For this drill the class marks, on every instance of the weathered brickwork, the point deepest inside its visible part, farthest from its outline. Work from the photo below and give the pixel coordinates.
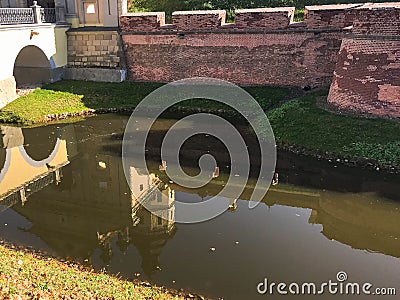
(94, 49)
(299, 59)
(266, 18)
(198, 20)
(143, 22)
(265, 46)
(377, 19)
(367, 77)
(329, 16)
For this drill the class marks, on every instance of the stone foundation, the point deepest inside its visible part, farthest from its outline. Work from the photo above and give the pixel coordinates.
(95, 74)
(7, 91)
(95, 55)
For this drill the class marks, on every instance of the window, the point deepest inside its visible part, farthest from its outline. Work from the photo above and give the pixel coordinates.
(90, 9)
(141, 187)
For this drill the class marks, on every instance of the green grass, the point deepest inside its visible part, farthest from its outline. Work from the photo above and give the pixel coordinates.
(267, 96)
(73, 97)
(106, 94)
(31, 277)
(301, 123)
(69, 96)
(32, 108)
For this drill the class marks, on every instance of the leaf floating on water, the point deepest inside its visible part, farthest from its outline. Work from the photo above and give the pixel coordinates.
(212, 249)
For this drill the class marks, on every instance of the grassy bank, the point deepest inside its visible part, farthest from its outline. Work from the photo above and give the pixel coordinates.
(73, 97)
(26, 276)
(301, 123)
(76, 96)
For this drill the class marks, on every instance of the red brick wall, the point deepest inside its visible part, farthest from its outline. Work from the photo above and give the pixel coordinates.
(297, 59)
(265, 46)
(367, 76)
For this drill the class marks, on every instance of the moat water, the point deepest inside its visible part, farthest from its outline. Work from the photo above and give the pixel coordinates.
(64, 192)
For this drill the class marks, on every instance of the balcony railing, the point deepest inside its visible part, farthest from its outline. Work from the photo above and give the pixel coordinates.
(17, 16)
(48, 15)
(32, 15)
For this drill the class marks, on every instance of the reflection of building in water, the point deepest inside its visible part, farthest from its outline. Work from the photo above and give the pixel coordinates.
(21, 175)
(92, 207)
(153, 229)
(92, 211)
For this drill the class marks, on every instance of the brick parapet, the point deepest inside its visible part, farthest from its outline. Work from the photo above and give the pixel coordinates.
(245, 20)
(377, 19)
(318, 17)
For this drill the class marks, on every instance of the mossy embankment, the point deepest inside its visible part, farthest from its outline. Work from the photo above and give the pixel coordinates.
(299, 124)
(25, 275)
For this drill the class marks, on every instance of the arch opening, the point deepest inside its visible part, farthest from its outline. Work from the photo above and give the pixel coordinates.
(31, 67)
(40, 144)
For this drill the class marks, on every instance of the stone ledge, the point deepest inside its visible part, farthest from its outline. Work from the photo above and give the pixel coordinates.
(95, 74)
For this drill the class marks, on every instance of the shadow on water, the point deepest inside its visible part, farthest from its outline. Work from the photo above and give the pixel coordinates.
(73, 200)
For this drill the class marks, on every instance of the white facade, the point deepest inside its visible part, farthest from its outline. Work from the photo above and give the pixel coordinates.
(81, 13)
